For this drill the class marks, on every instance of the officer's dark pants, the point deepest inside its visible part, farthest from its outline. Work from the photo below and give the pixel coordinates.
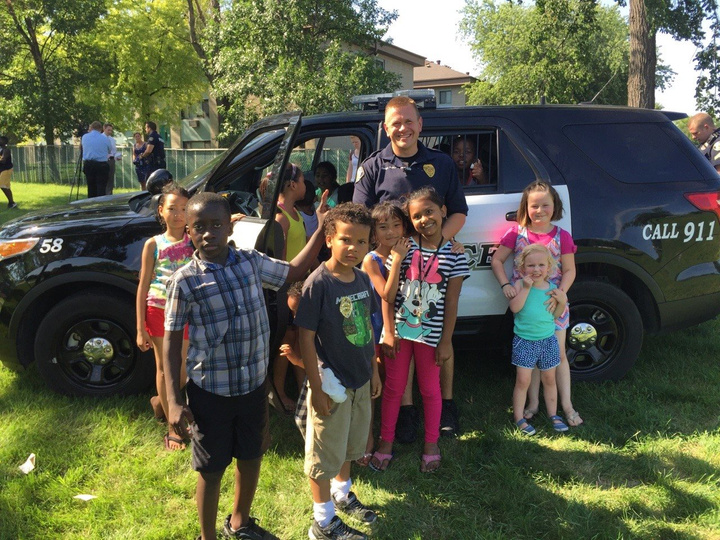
(96, 173)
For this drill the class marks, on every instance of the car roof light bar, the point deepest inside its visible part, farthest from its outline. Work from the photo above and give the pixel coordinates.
(425, 99)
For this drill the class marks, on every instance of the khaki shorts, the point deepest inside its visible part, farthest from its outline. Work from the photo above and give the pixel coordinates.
(332, 440)
(5, 177)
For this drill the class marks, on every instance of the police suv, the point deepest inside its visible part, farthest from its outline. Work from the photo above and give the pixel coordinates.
(640, 202)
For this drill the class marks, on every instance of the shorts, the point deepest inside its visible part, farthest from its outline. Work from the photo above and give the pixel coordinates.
(563, 321)
(155, 322)
(5, 177)
(543, 354)
(231, 427)
(332, 440)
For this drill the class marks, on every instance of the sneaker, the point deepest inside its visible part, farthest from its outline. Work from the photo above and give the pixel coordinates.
(12, 205)
(251, 531)
(407, 425)
(449, 423)
(353, 507)
(336, 529)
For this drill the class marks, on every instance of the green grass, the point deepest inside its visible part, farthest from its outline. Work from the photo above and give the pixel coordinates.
(645, 466)
(31, 197)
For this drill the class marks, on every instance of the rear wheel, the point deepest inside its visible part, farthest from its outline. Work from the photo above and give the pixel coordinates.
(605, 333)
(85, 345)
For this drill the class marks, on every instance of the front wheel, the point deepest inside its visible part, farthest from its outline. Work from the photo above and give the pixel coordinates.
(85, 346)
(605, 333)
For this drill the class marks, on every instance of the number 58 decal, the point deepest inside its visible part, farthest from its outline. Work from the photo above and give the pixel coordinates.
(51, 245)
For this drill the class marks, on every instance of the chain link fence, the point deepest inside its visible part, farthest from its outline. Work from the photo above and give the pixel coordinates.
(62, 164)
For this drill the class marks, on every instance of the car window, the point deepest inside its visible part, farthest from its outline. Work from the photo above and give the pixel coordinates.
(636, 153)
(336, 150)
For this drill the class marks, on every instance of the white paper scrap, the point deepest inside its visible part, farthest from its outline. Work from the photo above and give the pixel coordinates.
(84, 497)
(29, 464)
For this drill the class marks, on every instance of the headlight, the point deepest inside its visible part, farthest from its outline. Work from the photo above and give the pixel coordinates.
(11, 248)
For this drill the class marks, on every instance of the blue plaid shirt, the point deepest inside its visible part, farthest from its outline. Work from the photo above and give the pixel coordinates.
(229, 327)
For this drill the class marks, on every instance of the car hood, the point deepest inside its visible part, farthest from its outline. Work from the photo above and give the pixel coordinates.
(87, 216)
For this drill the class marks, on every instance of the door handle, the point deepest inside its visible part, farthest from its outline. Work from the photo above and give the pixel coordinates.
(511, 216)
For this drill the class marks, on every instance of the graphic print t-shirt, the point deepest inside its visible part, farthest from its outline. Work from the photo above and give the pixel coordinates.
(339, 313)
(420, 300)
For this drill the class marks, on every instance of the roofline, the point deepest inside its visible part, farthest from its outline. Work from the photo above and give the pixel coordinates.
(393, 51)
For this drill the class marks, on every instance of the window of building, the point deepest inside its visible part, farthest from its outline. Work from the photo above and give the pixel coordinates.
(444, 98)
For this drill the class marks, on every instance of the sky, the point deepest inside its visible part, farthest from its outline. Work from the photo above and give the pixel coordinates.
(430, 28)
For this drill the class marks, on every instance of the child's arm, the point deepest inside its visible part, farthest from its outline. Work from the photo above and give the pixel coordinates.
(179, 414)
(321, 402)
(569, 272)
(522, 290)
(375, 382)
(146, 273)
(453, 224)
(444, 350)
(288, 352)
(370, 267)
(398, 253)
(285, 226)
(389, 343)
(303, 261)
(497, 264)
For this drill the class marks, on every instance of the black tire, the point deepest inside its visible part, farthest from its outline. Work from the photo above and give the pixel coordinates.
(601, 310)
(111, 365)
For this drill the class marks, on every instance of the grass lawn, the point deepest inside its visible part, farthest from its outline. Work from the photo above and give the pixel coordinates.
(645, 466)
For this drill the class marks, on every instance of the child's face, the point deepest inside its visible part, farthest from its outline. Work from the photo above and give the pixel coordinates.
(389, 231)
(324, 179)
(209, 227)
(173, 211)
(426, 217)
(350, 243)
(540, 207)
(536, 266)
(463, 154)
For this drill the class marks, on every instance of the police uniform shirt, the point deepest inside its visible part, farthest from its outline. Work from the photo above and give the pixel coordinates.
(711, 148)
(384, 176)
(158, 151)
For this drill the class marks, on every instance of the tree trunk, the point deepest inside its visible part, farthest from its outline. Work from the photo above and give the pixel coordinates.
(643, 59)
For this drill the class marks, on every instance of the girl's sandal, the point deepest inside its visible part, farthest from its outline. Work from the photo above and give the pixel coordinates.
(383, 460)
(529, 413)
(527, 430)
(574, 419)
(429, 463)
(365, 460)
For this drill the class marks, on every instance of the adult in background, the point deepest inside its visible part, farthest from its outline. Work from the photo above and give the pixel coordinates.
(112, 157)
(403, 166)
(702, 128)
(6, 169)
(95, 152)
(140, 167)
(154, 154)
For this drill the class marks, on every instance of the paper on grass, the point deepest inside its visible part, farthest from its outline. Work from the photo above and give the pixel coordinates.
(29, 464)
(85, 497)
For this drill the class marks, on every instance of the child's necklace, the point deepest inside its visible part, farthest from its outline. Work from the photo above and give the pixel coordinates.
(422, 275)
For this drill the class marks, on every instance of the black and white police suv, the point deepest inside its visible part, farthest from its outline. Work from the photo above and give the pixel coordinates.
(641, 204)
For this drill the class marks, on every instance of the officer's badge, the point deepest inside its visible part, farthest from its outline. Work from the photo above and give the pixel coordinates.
(429, 170)
(360, 174)
(346, 306)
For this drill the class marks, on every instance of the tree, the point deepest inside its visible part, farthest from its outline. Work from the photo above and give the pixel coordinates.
(154, 72)
(565, 50)
(708, 63)
(45, 57)
(267, 56)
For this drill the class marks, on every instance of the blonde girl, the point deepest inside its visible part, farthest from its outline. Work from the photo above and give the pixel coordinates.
(162, 255)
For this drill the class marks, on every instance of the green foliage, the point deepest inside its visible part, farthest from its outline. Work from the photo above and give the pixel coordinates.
(566, 50)
(276, 55)
(152, 70)
(707, 90)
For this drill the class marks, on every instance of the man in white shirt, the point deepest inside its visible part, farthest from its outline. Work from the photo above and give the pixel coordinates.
(112, 157)
(95, 153)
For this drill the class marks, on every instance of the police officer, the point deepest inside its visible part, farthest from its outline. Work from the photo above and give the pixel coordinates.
(702, 129)
(154, 154)
(401, 167)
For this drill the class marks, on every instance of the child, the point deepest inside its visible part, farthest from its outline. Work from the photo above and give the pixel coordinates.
(540, 205)
(430, 277)
(336, 344)
(535, 344)
(293, 228)
(6, 169)
(220, 294)
(306, 207)
(390, 228)
(162, 255)
(326, 179)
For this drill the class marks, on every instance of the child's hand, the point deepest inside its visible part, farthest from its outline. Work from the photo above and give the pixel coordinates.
(557, 296)
(477, 171)
(322, 403)
(443, 353)
(509, 291)
(322, 208)
(457, 247)
(389, 345)
(401, 248)
(375, 386)
(236, 217)
(180, 417)
(143, 340)
(288, 352)
(527, 282)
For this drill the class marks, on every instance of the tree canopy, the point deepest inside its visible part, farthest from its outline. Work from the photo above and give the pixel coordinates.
(565, 50)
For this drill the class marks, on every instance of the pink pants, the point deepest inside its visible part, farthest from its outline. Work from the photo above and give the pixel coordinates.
(396, 374)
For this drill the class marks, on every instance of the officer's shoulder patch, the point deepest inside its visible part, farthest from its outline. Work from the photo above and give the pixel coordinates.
(716, 146)
(360, 173)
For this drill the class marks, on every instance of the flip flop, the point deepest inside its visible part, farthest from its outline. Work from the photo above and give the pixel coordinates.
(529, 413)
(574, 419)
(170, 438)
(384, 460)
(427, 461)
(365, 460)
